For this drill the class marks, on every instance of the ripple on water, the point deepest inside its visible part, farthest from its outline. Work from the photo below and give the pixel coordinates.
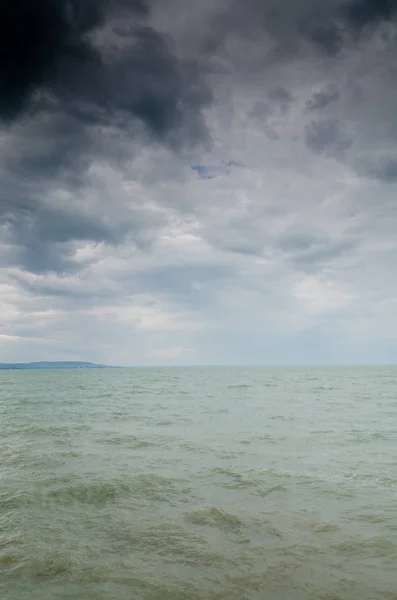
(148, 487)
(371, 480)
(49, 567)
(36, 429)
(129, 441)
(135, 489)
(374, 546)
(239, 386)
(173, 542)
(215, 517)
(231, 478)
(260, 483)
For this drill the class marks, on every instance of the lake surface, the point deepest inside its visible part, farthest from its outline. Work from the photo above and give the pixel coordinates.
(199, 484)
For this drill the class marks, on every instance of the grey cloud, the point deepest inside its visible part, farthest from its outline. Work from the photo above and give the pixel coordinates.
(39, 239)
(67, 291)
(322, 99)
(192, 284)
(277, 100)
(261, 111)
(241, 236)
(325, 34)
(282, 98)
(292, 26)
(388, 171)
(346, 21)
(51, 148)
(270, 112)
(384, 170)
(327, 137)
(343, 22)
(311, 253)
(43, 239)
(188, 287)
(294, 242)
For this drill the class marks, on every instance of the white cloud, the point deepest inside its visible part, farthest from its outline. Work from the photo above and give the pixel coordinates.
(322, 296)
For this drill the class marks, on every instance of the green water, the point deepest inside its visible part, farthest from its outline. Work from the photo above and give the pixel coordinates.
(198, 484)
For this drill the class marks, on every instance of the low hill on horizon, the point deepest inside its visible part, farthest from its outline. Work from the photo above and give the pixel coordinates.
(52, 365)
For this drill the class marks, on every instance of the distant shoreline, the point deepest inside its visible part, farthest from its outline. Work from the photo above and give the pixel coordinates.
(51, 365)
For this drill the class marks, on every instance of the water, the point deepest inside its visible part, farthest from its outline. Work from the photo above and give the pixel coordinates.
(198, 484)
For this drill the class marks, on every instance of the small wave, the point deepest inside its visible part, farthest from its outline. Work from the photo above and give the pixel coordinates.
(381, 546)
(253, 479)
(326, 528)
(371, 480)
(372, 518)
(239, 386)
(364, 437)
(12, 500)
(175, 543)
(215, 517)
(271, 438)
(130, 441)
(94, 493)
(58, 430)
(237, 479)
(271, 490)
(37, 568)
(9, 560)
(149, 488)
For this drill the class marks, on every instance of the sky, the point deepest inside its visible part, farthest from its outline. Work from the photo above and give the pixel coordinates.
(208, 182)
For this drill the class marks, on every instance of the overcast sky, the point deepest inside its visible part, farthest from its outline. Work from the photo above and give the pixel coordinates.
(189, 182)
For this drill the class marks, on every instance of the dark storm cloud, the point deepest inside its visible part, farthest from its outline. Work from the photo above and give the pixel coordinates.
(49, 61)
(76, 79)
(87, 80)
(45, 46)
(331, 30)
(344, 24)
(69, 69)
(328, 26)
(361, 13)
(324, 33)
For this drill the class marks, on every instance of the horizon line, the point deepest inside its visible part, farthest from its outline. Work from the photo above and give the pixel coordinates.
(197, 365)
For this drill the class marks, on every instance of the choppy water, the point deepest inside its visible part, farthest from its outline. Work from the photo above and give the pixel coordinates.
(198, 484)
